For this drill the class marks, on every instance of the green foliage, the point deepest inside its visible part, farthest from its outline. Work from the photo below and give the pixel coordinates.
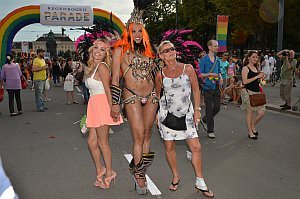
(255, 19)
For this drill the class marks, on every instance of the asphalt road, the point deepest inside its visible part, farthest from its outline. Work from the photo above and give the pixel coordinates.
(46, 157)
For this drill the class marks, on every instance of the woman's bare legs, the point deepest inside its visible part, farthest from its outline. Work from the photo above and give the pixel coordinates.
(249, 118)
(195, 147)
(258, 117)
(135, 118)
(149, 112)
(196, 150)
(171, 158)
(95, 151)
(103, 141)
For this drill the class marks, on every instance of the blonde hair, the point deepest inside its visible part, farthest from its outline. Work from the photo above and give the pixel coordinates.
(90, 63)
(162, 44)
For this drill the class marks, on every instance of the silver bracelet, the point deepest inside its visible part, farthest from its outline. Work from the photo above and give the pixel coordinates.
(198, 108)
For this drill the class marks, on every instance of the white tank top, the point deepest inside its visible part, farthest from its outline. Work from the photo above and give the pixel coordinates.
(95, 86)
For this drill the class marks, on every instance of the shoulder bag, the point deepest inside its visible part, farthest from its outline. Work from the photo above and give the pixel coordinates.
(257, 99)
(23, 82)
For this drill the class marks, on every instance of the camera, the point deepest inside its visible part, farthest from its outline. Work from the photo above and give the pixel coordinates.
(285, 53)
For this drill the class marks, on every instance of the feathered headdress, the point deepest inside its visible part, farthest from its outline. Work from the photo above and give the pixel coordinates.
(101, 29)
(188, 50)
(137, 14)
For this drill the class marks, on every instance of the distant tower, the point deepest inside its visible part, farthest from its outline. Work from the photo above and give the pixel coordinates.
(51, 44)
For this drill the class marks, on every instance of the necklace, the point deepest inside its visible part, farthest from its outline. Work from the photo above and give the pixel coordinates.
(171, 68)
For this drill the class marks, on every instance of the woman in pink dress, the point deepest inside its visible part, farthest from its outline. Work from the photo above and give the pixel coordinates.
(98, 112)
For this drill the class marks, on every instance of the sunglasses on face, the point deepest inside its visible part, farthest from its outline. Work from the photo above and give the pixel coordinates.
(168, 50)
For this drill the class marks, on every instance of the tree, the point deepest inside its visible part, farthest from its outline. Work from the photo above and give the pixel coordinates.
(252, 23)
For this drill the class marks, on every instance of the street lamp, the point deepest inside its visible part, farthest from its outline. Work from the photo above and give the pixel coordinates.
(280, 25)
(176, 14)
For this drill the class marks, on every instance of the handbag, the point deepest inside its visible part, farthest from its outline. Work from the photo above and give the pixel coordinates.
(23, 82)
(173, 122)
(257, 99)
(1, 93)
(47, 84)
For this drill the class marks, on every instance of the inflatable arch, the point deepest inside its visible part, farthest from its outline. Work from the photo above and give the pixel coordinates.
(21, 17)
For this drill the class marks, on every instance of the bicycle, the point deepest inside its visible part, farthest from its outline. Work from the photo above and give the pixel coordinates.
(274, 77)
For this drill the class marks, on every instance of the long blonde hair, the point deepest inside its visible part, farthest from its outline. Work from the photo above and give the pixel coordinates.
(90, 63)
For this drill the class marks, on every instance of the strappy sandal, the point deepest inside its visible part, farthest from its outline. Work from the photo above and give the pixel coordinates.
(108, 180)
(175, 186)
(99, 181)
(206, 192)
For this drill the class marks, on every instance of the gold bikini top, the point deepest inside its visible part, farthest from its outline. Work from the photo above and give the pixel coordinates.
(140, 69)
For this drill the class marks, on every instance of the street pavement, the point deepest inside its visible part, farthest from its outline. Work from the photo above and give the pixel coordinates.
(46, 157)
(274, 100)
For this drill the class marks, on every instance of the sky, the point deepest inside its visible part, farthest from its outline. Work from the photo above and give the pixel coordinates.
(121, 8)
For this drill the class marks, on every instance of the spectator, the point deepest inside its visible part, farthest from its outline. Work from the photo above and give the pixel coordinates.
(251, 77)
(80, 79)
(12, 74)
(200, 78)
(39, 78)
(286, 75)
(233, 90)
(231, 70)
(224, 65)
(272, 62)
(56, 71)
(211, 72)
(266, 67)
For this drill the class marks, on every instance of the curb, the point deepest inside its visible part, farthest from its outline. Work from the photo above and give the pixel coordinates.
(277, 109)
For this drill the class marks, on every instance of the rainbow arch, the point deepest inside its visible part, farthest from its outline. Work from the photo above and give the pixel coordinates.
(21, 17)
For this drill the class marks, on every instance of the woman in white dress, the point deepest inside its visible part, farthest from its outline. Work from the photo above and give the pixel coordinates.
(178, 81)
(266, 67)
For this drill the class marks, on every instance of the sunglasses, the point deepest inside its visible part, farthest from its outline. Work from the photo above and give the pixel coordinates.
(168, 50)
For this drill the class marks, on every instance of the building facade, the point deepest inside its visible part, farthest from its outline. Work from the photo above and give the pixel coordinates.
(64, 43)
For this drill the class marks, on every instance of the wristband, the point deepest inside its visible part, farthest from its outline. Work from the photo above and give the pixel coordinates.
(116, 93)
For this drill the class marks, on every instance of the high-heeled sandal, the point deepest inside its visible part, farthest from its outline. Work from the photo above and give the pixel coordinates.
(107, 180)
(139, 190)
(138, 172)
(99, 182)
(205, 192)
(174, 186)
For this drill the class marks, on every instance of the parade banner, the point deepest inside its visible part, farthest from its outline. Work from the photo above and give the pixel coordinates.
(66, 15)
(222, 27)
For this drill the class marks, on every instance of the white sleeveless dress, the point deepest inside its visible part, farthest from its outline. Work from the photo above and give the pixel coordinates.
(177, 92)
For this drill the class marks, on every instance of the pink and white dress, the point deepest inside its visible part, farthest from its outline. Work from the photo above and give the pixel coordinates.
(98, 110)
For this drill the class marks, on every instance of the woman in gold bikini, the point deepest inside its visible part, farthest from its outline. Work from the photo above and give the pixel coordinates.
(133, 61)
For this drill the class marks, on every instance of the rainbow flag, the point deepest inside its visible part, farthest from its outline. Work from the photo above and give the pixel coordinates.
(222, 27)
